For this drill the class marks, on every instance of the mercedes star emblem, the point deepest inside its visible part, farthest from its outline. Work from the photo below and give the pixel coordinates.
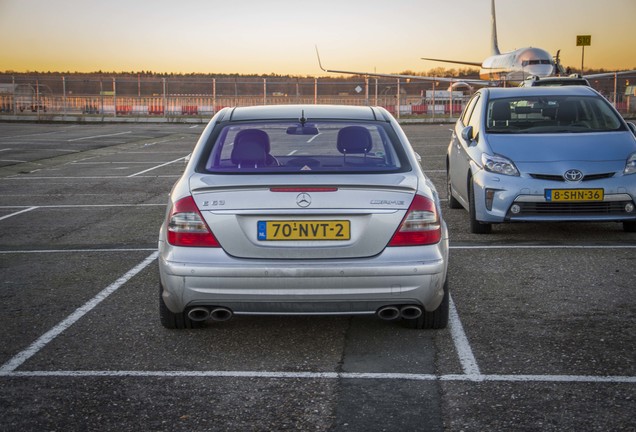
(303, 200)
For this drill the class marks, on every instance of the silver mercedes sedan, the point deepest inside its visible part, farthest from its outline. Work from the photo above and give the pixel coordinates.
(303, 210)
(542, 154)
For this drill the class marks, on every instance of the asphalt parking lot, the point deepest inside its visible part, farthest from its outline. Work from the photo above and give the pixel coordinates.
(541, 335)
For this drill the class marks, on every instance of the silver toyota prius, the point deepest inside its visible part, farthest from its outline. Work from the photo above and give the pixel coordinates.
(303, 210)
(542, 154)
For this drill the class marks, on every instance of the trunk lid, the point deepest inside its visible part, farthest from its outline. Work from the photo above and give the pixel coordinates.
(309, 217)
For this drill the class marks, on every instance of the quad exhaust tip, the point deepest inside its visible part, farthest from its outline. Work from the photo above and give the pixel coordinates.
(390, 313)
(410, 312)
(221, 314)
(201, 313)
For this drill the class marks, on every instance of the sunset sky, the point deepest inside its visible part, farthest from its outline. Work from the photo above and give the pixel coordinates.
(278, 36)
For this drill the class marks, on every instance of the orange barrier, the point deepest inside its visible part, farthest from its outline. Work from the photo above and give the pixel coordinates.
(457, 108)
(124, 109)
(419, 109)
(189, 110)
(155, 108)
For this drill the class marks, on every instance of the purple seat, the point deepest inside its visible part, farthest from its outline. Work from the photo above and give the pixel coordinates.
(251, 149)
(354, 140)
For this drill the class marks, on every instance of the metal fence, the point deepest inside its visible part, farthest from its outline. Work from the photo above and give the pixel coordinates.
(173, 97)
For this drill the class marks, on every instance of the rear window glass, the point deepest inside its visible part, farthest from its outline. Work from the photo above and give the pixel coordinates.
(316, 147)
(551, 114)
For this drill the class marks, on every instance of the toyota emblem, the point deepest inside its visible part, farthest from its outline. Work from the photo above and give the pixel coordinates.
(573, 175)
(303, 200)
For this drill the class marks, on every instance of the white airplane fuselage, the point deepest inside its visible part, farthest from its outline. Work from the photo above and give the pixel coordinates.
(517, 65)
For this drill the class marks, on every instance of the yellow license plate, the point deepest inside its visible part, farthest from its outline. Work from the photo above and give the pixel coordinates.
(571, 195)
(304, 230)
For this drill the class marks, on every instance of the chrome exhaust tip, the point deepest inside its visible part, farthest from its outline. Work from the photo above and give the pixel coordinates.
(199, 314)
(388, 313)
(221, 314)
(411, 312)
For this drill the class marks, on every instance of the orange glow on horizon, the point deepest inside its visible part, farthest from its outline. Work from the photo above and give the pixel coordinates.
(279, 37)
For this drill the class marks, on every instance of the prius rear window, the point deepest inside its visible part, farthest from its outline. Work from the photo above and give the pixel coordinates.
(317, 147)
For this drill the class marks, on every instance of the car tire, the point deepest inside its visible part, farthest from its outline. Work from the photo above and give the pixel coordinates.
(452, 202)
(434, 320)
(171, 320)
(629, 226)
(476, 227)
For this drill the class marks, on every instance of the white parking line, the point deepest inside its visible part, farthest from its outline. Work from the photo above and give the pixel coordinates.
(547, 246)
(98, 136)
(113, 177)
(560, 378)
(158, 166)
(49, 150)
(114, 163)
(83, 205)
(154, 152)
(155, 143)
(53, 251)
(47, 337)
(565, 379)
(462, 347)
(33, 134)
(18, 212)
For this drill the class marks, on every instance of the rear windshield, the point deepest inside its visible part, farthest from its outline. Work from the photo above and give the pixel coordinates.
(316, 147)
(553, 114)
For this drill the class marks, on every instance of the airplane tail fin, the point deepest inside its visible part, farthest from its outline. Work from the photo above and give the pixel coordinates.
(495, 44)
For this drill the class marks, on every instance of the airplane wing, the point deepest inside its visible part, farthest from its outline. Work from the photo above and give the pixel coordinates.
(401, 76)
(453, 61)
(609, 74)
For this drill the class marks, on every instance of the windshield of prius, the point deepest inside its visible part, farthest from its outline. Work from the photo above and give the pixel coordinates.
(551, 114)
(311, 147)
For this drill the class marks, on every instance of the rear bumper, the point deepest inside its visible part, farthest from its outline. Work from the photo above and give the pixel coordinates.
(352, 286)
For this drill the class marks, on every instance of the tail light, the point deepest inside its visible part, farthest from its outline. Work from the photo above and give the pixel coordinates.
(420, 226)
(186, 226)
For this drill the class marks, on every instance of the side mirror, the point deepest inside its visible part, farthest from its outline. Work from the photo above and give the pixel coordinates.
(418, 157)
(187, 159)
(632, 127)
(467, 134)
